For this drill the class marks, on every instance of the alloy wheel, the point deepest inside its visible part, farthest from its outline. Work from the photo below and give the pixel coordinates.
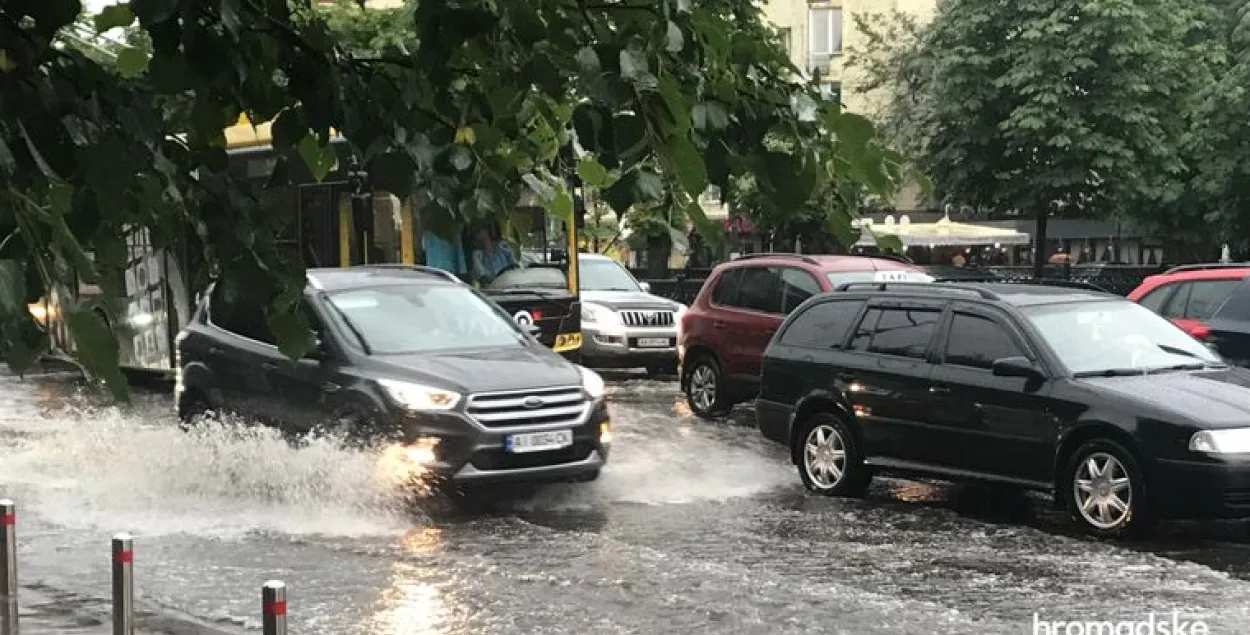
(824, 456)
(703, 387)
(1103, 491)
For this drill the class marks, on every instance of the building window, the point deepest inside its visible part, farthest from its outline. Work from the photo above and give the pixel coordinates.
(786, 37)
(712, 195)
(825, 36)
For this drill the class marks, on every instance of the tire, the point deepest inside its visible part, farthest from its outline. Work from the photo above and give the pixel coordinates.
(825, 432)
(1098, 511)
(192, 408)
(354, 425)
(706, 393)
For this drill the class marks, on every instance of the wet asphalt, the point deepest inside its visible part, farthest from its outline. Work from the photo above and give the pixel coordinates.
(694, 527)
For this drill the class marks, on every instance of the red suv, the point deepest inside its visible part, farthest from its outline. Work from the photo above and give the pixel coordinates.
(1211, 302)
(723, 335)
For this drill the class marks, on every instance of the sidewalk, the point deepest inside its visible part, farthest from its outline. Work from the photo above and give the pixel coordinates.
(44, 611)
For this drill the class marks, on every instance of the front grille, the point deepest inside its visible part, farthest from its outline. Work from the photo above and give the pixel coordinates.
(540, 407)
(647, 318)
(497, 460)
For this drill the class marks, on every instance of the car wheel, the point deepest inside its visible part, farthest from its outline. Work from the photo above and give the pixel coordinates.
(1107, 491)
(830, 461)
(705, 388)
(353, 425)
(193, 407)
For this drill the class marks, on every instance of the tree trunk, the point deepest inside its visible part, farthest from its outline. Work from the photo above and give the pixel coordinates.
(657, 257)
(1039, 242)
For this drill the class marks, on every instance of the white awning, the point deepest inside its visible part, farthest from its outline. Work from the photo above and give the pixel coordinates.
(943, 233)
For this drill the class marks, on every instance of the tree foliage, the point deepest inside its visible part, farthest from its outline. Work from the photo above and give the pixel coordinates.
(1058, 105)
(474, 104)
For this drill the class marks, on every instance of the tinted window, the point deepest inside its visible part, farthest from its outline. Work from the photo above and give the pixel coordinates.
(1206, 296)
(760, 289)
(241, 318)
(1154, 300)
(726, 291)
(824, 325)
(1174, 307)
(976, 341)
(904, 332)
(863, 333)
(797, 286)
(413, 318)
(604, 275)
(530, 277)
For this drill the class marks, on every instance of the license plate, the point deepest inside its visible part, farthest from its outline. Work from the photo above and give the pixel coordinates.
(538, 441)
(653, 342)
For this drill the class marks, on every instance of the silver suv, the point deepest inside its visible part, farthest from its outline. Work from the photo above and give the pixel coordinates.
(624, 325)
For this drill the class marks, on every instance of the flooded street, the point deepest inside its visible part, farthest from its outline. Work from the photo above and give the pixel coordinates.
(694, 527)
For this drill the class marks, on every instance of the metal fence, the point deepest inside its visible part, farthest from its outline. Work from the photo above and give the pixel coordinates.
(273, 593)
(684, 285)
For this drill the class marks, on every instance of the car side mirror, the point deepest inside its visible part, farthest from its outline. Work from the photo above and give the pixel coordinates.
(646, 286)
(1016, 367)
(533, 329)
(318, 351)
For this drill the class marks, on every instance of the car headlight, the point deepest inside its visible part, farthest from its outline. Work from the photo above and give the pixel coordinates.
(592, 312)
(417, 397)
(592, 383)
(1230, 441)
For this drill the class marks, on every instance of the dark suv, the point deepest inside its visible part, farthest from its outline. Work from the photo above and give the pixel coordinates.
(408, 353)
(723, 335)
(1118, 413)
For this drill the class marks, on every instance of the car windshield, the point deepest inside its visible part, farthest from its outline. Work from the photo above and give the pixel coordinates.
(604, 275)
(530, 278)
(423, 318)
(1116, 337)
(837, 278)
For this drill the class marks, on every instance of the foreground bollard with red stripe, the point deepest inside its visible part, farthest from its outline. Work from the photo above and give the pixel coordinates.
(273, 599)
(123, 585)
(8, 568)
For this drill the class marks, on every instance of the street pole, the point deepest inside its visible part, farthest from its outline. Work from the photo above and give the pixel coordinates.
(123, 585)
(8, 568)
(273, 603)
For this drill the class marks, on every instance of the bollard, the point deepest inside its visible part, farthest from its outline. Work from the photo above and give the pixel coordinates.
(273, 599)
(123, 585)
(8, 568)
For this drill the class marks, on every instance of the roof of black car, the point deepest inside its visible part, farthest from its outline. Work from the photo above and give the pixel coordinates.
(1018, 294)
(334, 278)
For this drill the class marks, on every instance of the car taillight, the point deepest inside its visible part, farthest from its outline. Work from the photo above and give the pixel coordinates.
(1200, 331)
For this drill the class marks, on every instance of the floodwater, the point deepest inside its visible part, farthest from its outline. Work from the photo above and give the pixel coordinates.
(694, 527)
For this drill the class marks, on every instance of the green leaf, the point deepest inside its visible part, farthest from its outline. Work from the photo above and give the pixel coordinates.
(592, 173)
(648, 187)
(12, 289)
(97, 349)
(288, 129)
(561, 206)
(838, 224)
(461, 158)
(132, 62)
(853, 130)
(320, 160)
(889, 243)
(711, 232)
(674, 40)
(295, 336)
(588, 61)
(112, 17)
(544, 191)
(688, 164)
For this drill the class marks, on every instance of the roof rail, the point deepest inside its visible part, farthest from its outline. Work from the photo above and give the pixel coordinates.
(1055, 282)
(1208, 265)
(930, 287)
(442, 273)
(770, 254)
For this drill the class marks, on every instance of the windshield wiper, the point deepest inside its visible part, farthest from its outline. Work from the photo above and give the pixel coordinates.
(538, 291)
(1180, 351)
(1111, 372)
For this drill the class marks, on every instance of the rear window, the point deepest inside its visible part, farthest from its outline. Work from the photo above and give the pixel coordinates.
(824, 325)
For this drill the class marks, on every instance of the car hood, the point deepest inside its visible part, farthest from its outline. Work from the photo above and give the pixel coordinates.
(1217, 398)
(495, 369)
(629, 300)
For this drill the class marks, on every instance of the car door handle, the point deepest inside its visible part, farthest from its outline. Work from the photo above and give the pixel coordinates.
(214, 350)
(329, 387)
(269, 366)
(939, 390)
(718, 324)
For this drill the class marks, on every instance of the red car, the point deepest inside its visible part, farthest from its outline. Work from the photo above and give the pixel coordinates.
(1211, 302)
(723, 335)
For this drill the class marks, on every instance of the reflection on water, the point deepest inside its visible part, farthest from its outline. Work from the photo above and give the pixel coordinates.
(422, 541)
(411, 606)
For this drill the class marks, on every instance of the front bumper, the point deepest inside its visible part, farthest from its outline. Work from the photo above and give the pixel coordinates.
(466, 452)
(1202, 490)
(621, 346)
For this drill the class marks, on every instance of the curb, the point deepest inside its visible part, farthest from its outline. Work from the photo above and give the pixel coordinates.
(44, 609)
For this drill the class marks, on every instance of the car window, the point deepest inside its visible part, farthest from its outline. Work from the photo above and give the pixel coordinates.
(1174, 307)
(904, 332)
(1155, 299)
(726, 291)
(529, 278)
(604, 275)
(245, 319)
(423, 318)
(863, 333)
(760, 289)
(824, 325)
(977, 341)
(797, 286)
(1206, 296)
